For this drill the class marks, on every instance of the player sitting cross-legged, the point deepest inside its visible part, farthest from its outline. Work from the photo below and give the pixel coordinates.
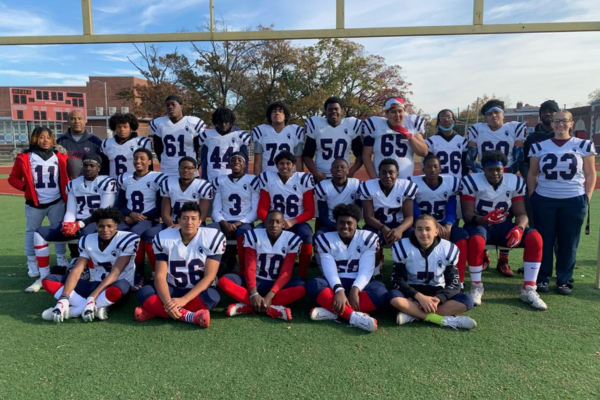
(111, 253)
(486, 200)
(347, 260)
(425, 279)
(266, 286)
(187, 261)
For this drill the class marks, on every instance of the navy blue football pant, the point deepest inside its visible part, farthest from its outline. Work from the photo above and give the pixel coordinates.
(559, 220)
(52, 283)
(428, 290)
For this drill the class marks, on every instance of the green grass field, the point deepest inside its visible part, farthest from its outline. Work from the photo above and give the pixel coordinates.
(516, 352)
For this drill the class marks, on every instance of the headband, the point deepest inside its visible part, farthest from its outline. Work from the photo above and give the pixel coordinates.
(493, 163)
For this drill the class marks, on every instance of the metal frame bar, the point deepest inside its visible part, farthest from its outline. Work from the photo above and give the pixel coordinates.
(86, 17)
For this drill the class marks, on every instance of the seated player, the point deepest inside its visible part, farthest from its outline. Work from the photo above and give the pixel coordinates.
(175, 193)
(111, 253)
(234, 207)
(291, 193)
(85, 194)
(338, 190)
(425, 279)
(486, 200)
(266, 285)
(187, 261)
(348, 261)
(388, 206)
(140, 202)
(437, 197)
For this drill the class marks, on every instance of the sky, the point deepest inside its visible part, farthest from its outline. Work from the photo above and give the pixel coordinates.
(445, 71)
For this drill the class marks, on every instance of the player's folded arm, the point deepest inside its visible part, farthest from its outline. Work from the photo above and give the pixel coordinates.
(452, 287)
(400, 281)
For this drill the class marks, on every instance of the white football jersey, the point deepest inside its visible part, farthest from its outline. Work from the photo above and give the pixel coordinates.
(433, 201)
(332, 142)
(449, 152)
(122, 244)
(270, 143)
(388, 209)
(198, 189)
(561, 167)
(235, 200)
(217, 150)
(141, 193)
(426, 272)
(269, 257)
(352, 260)
(45, 177)
(90, 196)
(502, 140)
(286, 197)
(177, 139)
(388, 143)
(121, 155)
(476, 187)
(334, 195)
(186, 263)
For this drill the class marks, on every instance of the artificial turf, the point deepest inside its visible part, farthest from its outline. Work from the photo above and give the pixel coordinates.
(516, 352)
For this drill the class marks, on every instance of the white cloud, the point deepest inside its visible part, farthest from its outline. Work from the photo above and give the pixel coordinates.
(20, 22)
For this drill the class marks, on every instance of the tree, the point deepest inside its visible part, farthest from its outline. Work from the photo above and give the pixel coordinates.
(474, 108)
(594, 96)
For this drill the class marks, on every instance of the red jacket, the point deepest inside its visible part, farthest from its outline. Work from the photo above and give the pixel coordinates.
(21, 178)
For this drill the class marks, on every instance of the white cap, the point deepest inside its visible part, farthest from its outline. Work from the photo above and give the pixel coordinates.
(393, 103)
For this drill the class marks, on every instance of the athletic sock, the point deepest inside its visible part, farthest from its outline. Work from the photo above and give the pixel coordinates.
(325, 300)
(530, 273)
(475, 273)
(503, 256)
(186, 315)
(150, 253)
(304, 259)
(475, 257)
(109, 297)
(76, 300)
(532, 257)
(434, 318)
(288, 295)
(52, 287)
(235, 291)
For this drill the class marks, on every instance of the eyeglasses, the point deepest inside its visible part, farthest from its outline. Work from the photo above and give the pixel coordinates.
(187, 168)
(561, 121)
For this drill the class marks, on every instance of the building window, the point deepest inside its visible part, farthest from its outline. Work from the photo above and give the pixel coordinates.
(60, 96)
(44, 115)
(53, 96)
(31, 99)
(58, 115)
(36, 115)
(65, 116)
(23, 99)
(38, 94)
(80, 102)
(45, 95)
(19, 114)
(67, 101)
(15, 99)
(124, 110)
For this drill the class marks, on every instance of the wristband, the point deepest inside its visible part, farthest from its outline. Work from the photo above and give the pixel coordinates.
(65, 297)
(337, 287)
(474, 219)
(253, 294)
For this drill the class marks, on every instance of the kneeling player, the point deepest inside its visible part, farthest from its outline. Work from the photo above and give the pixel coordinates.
(348, 261)
(187, 261)
(270, 256)
(425, 279)
(486, 199)
(112, 253)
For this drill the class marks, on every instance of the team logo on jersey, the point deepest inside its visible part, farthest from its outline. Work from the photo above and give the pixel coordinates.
(295, 188)
(233, 140)
(346, 131)
(289, 136)
(187, 128)
(87, 149)
(131, 148)
(245, 187)
(56, 163)
(459, 145)
(148, 185)
(283, 250)
(358, 249)
(113, 253)
(445, 195)
(440, 264)
(399, 200)
(200, 250)
(352, 196)
(506, 133)
(193, 195)
(95, 190)
(574, 149)
(507, 193)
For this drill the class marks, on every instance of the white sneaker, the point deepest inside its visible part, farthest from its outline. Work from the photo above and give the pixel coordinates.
(32, 269)
(34, 287)
(48, 315)
(363, 321)
(402, 319)
(101, 313)
(62, 261)
(531, 296)
(280, 312)
(476, 293)
(322, 314)
(460, 322)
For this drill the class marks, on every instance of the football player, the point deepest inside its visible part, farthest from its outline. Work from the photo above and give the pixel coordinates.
(398, 136)
(235, 205)
(220, 143)
(111, 253)
(175, 136)
(139, 201)
(291, 193)
(487, 197)
(330, 138)
(448, 146)
(561, 181)
(85, 194)
(425, 279)
(348, 260)
(266, 286)
(436, 196)
(276, 136)
(187, 261)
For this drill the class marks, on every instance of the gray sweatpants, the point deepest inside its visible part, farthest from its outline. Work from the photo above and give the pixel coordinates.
(34, 218)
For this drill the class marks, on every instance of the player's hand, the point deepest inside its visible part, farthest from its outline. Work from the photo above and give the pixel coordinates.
(514, 236)
(444, 231)
(403, 131)
(495, 216)
(227, 228)
(340, 301)
(172, 307)
(88, 311)
(353, 298)
(394, 235)
(70, 229)
(319, 176)
(288, 223)
(61, 311)
(268, 300)
(257, 303)
(427, 303)
(136, 217)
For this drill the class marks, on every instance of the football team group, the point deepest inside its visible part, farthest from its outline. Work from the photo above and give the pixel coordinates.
(105, 202)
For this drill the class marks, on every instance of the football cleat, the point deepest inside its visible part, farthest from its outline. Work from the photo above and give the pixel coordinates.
(280, 312)
(35, 286)
(138, 283)
(202, 318)
(476, 293)
(486, 260)
(239, 309)
(531, 296)
(460, 322)
(141, 314)
(32, 269)
(403, 319)
(503, 266)
(101, 313)
(48, 314)
(322, 314)
(363, 321)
